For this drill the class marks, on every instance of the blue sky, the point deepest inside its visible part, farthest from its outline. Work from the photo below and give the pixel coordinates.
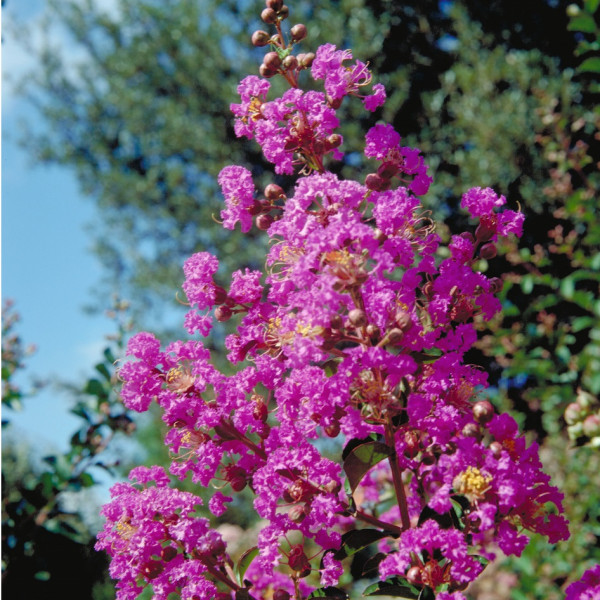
(47, 267)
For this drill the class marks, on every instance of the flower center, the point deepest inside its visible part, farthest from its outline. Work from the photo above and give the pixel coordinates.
(472, 483)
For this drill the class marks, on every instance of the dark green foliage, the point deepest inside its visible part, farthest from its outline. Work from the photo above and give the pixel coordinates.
(47, 549)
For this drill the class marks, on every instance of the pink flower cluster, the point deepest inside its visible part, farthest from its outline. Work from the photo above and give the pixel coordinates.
(356, 334)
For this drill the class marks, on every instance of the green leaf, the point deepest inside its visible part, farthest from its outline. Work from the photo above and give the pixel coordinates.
(393, 587)
(94, 387)
(591, 6)
(590, 65)
(103, 370)
(357, 539)
(243, 564)
(582, 22)
(329, 593)
(362, 458)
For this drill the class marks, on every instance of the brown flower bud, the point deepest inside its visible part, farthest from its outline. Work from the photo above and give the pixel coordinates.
(263, 222)
(268, 15)
(488, 224)
(488, 251)
(290, 62)
(274, 192)
(472, 430)
(373, 331)
(357, 317)
(223, 313)
(387, 170)
(403, 320)
(297, 513)
(283, 12)
(307, 59)
(298, 561)
(260, 38)
(496, 285)
(413, 575)
(274, 4)
(336, 322)
(483, 412)
(334, 140)
(220, 294)
(394, 335)
(298, 32)
(496, 449)
(256, 208)
(272, 61)
(332, 430)
(266, 72)
(376, 183)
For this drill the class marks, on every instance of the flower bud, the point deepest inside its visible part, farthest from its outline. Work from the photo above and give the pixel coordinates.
(413, 575)
(274, 4)
(272, 61)
(373, 331)
(274, 192)
(332, 430)
(290, 62)
(403, 320)
(336, 322)
(298, 32)
(394, 335)
(357, 317)
(376, 183)
(298, 561)
(387, 170)
(238, 484)
(483, 412)
(488, 251)
(488, 224)
(281, 595)
(496, 285)
(283, 12)
(496, 449)
(335, 103)
(261, 410)
(223, 313)
(334, 140)
(268, 15)
(306, 60)
(263, 222)
(260, 38)
(297, 513)
(471, 430)
(220, 294)
(467, 235)
(266, 72)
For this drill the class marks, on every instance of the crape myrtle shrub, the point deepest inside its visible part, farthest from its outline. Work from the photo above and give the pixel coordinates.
(352, 415)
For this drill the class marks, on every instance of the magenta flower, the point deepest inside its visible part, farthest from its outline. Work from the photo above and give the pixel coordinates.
(587, 588)
(238, 189)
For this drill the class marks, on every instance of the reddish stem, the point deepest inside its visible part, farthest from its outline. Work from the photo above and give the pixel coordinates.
(397, 476)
